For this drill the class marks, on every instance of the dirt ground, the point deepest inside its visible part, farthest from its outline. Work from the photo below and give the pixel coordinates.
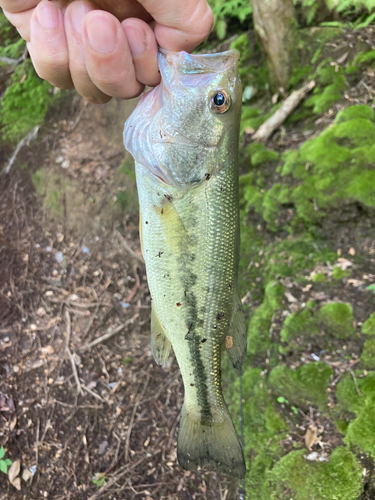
(83, 405)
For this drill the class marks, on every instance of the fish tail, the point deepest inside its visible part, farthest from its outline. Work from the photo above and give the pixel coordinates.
(212, 443)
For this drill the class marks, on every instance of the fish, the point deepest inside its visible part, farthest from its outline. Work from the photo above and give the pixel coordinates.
(184, 137)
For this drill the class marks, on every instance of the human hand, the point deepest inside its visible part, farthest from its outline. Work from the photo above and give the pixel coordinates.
(111, 52)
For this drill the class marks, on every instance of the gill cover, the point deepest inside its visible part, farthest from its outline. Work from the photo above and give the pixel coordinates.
(176, 131)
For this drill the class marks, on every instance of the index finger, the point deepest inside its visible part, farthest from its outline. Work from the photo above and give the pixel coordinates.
(180, 25)
(15, 6)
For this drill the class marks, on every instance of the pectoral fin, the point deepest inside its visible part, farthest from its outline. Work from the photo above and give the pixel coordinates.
(160, 344)
(237, 332)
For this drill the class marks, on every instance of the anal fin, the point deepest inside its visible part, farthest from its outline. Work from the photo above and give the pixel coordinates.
(160, 344)
(237, 330)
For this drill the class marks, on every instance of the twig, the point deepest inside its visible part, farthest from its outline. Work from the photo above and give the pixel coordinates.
(93, 393)
(36, 449)
(286, 109)
(74, 368)
(127, 247)
(31, 136)
(128, 434)
(72, 362)
(355, 383)
(110, 334)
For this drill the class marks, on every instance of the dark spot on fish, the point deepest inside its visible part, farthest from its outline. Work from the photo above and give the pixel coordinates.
(192, 385)
(158, 336)
(146, 222)
(185, 293)
(208, 176)
(169, 197)
(161, 135)
(203, 341)
(229, 286)
(214, 327)
(219, 316)
(162, 211)
(178, 304)
(159, 254)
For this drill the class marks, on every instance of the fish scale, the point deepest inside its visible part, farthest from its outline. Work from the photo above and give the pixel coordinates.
(187, 183)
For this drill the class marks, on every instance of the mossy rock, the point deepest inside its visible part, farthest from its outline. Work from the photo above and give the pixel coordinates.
(348, 398)
(368, 354)
(260, 323)
(338, 479)
(298, 328)
(368, 327)
(353, 112)
(306, 385)
(361, 430)
(337, 319)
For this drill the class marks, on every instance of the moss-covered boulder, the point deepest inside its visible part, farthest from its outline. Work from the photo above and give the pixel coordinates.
(338, 479)
(307, 385)
(298, 328)
(368, 354)
(336, 318)
(368, 327)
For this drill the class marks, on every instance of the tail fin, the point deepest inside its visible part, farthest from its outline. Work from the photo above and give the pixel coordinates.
(215, 443)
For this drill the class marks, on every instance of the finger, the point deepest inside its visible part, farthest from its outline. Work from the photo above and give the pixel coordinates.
(108, 58)
(144, 50)
(73, 18)
(21, 22)
(48, 45)
(18, 5)
(180, 25)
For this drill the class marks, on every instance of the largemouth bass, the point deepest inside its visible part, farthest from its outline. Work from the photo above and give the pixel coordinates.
(183, 136)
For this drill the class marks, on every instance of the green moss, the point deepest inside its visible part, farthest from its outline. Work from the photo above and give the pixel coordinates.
(337, 319)
(361, 431)
(303, 386)
(259, 154)
(331, 84)
(319, 278)
(260, 323)
(346, 393)
(368, 354)
(301, 324)
(337, 479)
(368, 327)
(352, 112)
(339, 274)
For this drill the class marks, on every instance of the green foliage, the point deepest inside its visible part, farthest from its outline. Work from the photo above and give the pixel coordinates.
(303, 386)
(337, 319)
(368, 327)
(231, 9)
(4, 462)
(99, 479)
(329, 88)
(25, 103)
(337, 479)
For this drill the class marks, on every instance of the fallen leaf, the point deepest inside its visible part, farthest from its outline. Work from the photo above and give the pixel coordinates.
(26, 475)
(229, 342)
(13, 423)
(290, 297)
(17, 483)
(14, 470)
(351, 251)
(311, 436)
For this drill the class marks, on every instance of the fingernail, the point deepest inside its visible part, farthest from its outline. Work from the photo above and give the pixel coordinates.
(102, 33)
(48, 15)
(136, 39)
(77, 13)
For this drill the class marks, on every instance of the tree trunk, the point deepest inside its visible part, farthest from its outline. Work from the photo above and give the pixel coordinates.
(276, 28)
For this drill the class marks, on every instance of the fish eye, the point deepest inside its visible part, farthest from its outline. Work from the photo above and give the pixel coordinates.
(220, 101)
